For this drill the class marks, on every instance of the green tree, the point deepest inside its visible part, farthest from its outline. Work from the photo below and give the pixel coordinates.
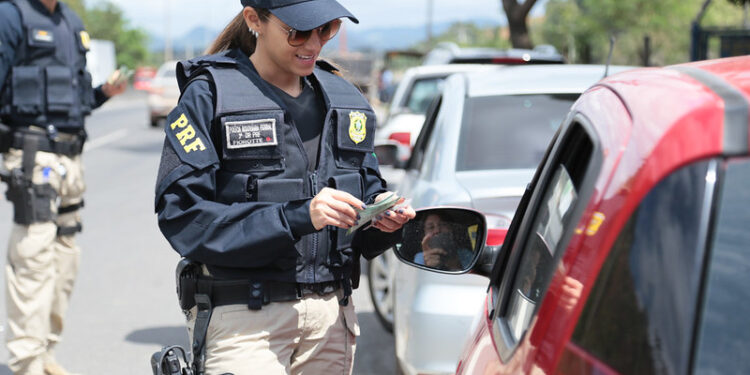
(106, 21)
(581, 28)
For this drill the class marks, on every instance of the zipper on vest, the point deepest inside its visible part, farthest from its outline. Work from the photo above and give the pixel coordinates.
(312, 265)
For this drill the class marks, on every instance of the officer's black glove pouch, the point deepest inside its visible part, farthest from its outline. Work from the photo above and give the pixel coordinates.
(6, 138)
(280, 190)
(28, 89)
(59, 89)
(31, 203)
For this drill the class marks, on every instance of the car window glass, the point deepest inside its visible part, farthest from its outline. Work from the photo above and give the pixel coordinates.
(420, 145)
(523, 204)
(422, 93)
(537, 261)
(639, 316)
(509, 131)
(724, 330)
(541, 249)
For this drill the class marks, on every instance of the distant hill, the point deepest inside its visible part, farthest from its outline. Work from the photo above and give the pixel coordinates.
(384, 38)
(197, 39)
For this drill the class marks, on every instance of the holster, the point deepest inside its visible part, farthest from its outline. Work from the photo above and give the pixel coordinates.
(187, 273)
(31, 203)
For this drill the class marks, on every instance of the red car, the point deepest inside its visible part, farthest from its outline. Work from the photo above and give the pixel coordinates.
(630, 250)
(143, 76)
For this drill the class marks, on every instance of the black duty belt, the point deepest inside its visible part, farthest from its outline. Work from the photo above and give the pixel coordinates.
(71, 147)
(252, 293)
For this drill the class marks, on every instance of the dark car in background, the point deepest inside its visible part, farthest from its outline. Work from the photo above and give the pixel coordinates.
(450, 53)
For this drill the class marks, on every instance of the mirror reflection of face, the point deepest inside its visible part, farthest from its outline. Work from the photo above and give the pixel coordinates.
(442, 239)
(433, 224)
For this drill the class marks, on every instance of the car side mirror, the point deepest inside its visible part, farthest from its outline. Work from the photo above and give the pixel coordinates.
(391, 154)
(447, 240)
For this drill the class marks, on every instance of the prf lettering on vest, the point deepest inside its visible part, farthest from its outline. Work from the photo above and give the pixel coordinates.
(187, 133)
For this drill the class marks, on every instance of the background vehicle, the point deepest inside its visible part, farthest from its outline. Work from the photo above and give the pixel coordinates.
(163, 93)
(100, 60)
(485, 127)
(142, 77)
(450, 53)
(414, 93)
(420, 85)
(628, 253)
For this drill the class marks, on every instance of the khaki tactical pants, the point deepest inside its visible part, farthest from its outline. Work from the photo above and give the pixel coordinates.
(42, 266)
(314, 335)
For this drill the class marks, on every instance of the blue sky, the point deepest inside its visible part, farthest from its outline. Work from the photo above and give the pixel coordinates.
(215, 14)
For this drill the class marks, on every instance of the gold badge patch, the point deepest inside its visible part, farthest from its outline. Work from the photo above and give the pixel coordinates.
(85, 40)
(357, 126)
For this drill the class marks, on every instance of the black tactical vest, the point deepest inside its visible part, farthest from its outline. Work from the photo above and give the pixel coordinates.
(41, 87)
(262, 157)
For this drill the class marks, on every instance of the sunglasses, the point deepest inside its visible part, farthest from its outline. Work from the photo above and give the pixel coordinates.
(296, 38)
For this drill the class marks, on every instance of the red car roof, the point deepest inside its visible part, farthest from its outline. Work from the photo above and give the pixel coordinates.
(698, 95)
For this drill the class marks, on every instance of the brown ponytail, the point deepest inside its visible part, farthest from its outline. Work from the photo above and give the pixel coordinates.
(237, 35)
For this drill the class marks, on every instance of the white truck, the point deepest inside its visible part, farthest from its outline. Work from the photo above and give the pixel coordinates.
(101, 60)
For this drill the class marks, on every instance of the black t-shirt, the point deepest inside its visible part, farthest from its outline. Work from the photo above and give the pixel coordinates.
(308, 113)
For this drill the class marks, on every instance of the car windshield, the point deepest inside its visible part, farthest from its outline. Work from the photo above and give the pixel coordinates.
(509, 131)
(422, 93)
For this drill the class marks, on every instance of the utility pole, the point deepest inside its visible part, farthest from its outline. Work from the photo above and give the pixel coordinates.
(168, 53)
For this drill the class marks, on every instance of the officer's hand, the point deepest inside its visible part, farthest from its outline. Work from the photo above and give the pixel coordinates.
(334, 207)
(111, 90)
(393, 219)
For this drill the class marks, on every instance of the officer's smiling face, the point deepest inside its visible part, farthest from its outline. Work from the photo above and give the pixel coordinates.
(299, 61)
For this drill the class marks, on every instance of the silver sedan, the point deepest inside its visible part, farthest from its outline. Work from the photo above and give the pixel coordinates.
(484, 127)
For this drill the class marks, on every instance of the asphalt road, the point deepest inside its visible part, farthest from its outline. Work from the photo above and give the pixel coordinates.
(124, 306)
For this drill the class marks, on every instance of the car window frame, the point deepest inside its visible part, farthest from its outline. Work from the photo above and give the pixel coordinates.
(511, 253)
(710, 249)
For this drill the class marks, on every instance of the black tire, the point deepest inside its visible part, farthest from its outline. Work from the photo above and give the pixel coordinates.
(380, 290)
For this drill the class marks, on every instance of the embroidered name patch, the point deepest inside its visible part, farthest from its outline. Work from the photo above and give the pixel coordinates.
(43, 35)
(251, 133)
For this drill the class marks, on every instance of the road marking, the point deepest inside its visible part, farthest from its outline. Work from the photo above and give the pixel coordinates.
(105, 140)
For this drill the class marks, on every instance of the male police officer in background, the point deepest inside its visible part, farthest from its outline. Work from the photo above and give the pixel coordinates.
(45, 93)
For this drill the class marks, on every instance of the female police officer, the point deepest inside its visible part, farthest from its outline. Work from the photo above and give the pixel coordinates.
(265, 160)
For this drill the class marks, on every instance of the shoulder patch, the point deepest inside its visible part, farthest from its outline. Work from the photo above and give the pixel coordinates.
(188, 141)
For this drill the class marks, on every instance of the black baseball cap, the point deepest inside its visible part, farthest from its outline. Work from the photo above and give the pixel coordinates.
(303, 14)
